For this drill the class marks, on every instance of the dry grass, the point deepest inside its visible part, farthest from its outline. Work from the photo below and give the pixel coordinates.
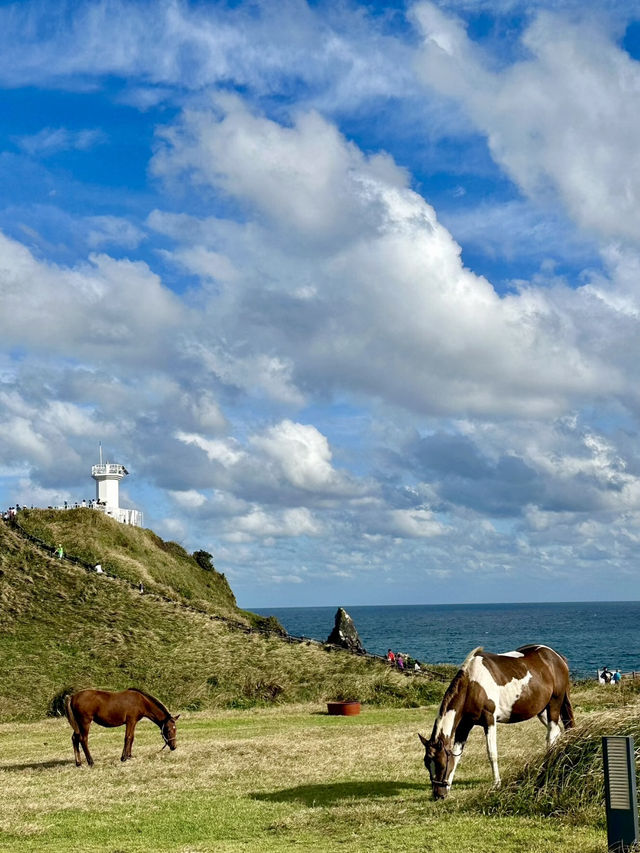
(267, 780)
(568, 779)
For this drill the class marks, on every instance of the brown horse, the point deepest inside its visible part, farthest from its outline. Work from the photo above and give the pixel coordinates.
(115, 709)
(489, 689)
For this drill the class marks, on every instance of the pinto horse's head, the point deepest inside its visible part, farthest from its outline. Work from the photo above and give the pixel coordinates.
(438, 759)
(168, 729)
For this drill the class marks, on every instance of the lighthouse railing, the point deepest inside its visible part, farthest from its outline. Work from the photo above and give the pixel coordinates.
(108, 468)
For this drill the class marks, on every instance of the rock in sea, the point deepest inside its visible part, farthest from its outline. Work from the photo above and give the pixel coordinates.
(344, 633)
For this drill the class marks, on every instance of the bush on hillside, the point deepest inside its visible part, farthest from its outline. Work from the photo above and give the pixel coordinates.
(265, 624)
(205, 560)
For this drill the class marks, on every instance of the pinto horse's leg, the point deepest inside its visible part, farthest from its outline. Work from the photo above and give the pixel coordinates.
(459, 743)
(128, 739)
(491, 735)
(553, 727)
(553, 719)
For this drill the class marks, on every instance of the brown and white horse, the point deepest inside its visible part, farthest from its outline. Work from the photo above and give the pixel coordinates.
(490, 689)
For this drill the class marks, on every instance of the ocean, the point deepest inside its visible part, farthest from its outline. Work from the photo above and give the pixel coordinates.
(589, 634)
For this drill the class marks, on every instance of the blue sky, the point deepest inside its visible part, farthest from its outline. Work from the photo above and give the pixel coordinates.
(351, 289)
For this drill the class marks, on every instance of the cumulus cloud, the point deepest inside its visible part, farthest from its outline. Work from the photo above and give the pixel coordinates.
(106, 305)
(560, 120)
(301, 454)
(384, 263)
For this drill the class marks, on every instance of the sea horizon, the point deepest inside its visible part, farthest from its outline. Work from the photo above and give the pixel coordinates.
(588, 633)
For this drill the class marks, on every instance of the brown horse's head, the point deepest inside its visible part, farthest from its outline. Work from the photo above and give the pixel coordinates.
(438, 759)
(168, 729)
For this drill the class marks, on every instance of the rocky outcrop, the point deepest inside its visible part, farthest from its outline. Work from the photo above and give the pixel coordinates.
(344, 633)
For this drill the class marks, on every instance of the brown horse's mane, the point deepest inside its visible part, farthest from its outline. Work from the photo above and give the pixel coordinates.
(153, 699)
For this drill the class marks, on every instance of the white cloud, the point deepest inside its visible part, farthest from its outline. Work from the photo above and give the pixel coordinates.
(105, 307)
(50, 140)
(388, 307)
(227, 453)
(560, 120)
(183, 46)
(414, 523)
(106, 230)
(189, 499)
(301, 454)
(258, 524)
(305, 177)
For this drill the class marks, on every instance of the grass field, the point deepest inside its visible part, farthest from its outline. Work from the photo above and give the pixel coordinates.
(279, 779)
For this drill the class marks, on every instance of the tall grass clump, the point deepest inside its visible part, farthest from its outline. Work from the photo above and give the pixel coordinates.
(568, 779)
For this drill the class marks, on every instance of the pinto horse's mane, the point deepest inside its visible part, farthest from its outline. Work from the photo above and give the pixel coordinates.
(152, 699)
(459, 683)
(470, 657)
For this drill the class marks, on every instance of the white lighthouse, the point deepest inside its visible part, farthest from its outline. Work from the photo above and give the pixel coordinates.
(107, 476)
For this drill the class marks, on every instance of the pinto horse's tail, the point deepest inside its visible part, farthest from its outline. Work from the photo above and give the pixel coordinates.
(68, 710)
(566, 712)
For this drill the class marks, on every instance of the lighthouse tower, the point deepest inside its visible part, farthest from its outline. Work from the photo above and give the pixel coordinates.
(107, 476)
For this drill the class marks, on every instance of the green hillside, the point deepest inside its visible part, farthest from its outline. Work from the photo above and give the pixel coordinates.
(62, 626)
(133, 554)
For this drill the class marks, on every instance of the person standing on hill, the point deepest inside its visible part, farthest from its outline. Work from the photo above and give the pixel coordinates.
(391, 657)
(59, 552)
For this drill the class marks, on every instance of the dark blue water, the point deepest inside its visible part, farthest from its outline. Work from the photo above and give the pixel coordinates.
(589, 634)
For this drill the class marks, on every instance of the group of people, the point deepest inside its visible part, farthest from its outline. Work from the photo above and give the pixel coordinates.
(10, 513)
(607, 676)
(400, 661)
(83, 503)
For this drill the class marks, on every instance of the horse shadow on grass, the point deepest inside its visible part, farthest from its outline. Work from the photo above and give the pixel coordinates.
(37, 765)
(310, 795)
(323, 794)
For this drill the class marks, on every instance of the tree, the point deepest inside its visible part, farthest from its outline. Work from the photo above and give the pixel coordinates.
(204, 560)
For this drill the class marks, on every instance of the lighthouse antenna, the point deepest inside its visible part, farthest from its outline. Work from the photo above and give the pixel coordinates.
(100, 446)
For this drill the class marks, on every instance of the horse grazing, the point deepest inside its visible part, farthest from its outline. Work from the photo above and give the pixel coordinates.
(115, 709)
(490, 689)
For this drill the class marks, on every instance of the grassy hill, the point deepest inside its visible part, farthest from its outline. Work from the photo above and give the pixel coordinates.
(133, 554)
(61, 626)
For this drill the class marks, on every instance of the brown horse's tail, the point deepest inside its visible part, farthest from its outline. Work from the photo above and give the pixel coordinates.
(566, 712)
(68, 710)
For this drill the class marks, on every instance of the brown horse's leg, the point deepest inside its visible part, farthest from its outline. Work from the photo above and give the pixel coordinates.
(75, 740)
(128, 739)
(84, 743)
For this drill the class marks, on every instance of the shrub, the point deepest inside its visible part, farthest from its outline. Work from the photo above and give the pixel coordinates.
(204, 560)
